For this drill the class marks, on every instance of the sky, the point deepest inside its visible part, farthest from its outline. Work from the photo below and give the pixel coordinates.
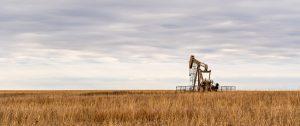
(146, 44)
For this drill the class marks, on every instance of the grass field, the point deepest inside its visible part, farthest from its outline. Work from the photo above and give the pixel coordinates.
(149, 108)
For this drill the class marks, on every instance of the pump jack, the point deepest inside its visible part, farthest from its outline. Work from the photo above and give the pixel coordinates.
(197, 70)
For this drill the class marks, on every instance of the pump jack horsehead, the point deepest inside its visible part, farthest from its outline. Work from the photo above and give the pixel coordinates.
(197, 69)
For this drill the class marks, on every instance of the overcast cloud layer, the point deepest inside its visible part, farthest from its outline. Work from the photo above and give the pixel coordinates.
(145, 44)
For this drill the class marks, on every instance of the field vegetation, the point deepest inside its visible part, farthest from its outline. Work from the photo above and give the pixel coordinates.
(253, 108)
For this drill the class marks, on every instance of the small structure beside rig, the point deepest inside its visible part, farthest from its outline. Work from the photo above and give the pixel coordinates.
(199, 82)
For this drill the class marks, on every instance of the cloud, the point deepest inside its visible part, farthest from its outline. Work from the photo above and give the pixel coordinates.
(235, 34)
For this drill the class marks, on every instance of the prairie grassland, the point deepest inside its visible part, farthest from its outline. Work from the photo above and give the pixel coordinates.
(149, 108)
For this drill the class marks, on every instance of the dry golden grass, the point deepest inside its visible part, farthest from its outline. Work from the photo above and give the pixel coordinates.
(149, 108)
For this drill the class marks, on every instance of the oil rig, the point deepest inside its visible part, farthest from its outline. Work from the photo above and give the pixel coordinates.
(197, 70)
